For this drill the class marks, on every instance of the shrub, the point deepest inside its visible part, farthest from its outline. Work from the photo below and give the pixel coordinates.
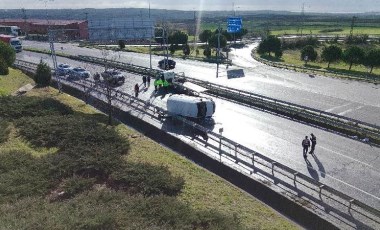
(299, 42)
(74, 185)
(177, 215)
(121, 44)
(43, 74)
(207, 52)
(17, 107)
(147, 179)
(7, 53)
(4, 131)
(3, 67)
(23, 175)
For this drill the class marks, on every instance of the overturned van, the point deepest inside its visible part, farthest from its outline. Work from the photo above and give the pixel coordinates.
(191, 107)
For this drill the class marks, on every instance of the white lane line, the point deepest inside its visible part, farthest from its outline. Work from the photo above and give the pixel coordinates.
(353, 159)
(349, 110)
(337, 107)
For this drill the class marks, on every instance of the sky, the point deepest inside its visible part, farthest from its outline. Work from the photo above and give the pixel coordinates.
(323, 6)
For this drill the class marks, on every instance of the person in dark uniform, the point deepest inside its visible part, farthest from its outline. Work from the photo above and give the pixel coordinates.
(313, 140)
(137, 90)
(144, 80)
(305, 145)
(148, 80)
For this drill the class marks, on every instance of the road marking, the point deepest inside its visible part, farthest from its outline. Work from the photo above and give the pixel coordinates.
(349, 110)
(337, 107)
(353, 159)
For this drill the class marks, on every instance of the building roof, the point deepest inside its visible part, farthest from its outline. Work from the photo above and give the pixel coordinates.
(44, 21)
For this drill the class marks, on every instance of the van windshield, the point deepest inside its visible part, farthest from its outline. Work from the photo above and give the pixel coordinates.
(15, 43)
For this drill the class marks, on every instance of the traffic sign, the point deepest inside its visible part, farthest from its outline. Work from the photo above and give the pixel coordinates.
(234, 24)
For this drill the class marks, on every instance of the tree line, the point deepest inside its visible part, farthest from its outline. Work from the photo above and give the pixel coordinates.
(352, 55)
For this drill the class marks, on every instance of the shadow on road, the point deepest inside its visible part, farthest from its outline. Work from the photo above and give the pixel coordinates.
(321, 169)
(313, 173)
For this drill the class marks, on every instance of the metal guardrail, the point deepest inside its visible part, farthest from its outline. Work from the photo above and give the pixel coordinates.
(370, 130)
(227, 147)
(356, 127)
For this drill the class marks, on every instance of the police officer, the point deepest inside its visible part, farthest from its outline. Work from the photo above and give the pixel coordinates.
(313, 143)
(305, 145)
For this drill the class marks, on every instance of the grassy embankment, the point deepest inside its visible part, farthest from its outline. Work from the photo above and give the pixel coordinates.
(62, 167)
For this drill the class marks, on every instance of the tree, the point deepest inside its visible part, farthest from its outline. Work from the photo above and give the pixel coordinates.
(7, 53)
(372, 59)
(186, 49)
(213, 41)
(121, 44)
(205, 35)
(43, 74)
(270, 44)
(3, 67)
(207, 51)
(178, 37)
(331, 53)
(353, 55)
(241, 33)
(308, 54)
(173, 48)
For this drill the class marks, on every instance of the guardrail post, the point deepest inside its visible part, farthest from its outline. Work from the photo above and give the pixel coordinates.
(236, 158)
(295, 177)
(320, 189)
(253, 163)
(273, 164)
(349, 206)
(220, 149)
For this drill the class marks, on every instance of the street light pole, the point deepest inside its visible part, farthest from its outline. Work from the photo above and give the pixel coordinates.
(217, 53)
(150, 44)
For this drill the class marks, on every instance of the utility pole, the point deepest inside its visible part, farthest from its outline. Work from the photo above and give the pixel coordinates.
(195, 30)
(217, 53)
(302, 16)
(150, 44)
(24, 17)
(352, 25)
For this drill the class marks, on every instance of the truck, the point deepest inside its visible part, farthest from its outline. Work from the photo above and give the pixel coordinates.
(13, 41)
(197, 108)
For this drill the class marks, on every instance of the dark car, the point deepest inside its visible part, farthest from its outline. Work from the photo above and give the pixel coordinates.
(114, 77)
(166, 64)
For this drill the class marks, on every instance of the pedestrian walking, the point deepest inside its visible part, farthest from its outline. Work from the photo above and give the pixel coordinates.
(305, 145)
(313, 140)
(137, 90)
(148, 81)
(144, 81)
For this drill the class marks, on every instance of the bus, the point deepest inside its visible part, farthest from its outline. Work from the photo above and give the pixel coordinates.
(10, 30)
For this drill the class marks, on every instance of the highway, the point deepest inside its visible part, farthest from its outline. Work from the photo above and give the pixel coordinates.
(345, 164)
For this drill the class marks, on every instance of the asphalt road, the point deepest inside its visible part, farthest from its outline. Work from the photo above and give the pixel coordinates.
(345, 164)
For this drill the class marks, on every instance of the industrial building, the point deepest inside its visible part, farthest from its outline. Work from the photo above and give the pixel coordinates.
(64, 29)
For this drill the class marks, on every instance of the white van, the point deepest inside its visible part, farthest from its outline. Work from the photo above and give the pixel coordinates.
(191, 107)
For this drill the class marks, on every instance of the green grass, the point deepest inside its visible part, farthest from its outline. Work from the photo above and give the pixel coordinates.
(12, 82)
(205, 197)
(293, 57)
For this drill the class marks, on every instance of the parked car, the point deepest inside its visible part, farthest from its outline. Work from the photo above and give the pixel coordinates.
(113, 77)
(166, 64)
(63, 69)
(79, 72)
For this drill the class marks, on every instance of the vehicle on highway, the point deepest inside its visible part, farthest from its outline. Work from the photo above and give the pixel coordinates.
(113, 77)
(10, 30)
(63, 69)
(166, 64)
(197, 108)
(79, 72)
(12, 41)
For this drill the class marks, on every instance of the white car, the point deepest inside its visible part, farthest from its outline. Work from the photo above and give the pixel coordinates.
(79, 72)
(63, 69)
